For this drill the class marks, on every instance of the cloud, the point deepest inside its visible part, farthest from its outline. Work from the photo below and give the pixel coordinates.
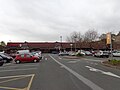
(47, 20)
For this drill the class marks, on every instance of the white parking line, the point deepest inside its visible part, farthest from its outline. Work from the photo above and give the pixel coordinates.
(92, 60)
(24, 66)
(89, 83)
(7, 64)
(60, 58)
(20, 66)
(72, 61)
(103, 72)
(12, 65)
(17, 70)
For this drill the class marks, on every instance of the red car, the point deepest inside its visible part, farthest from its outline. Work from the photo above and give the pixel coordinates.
(26, 58)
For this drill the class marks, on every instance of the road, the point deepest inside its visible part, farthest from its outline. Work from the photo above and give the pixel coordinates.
(59, 73)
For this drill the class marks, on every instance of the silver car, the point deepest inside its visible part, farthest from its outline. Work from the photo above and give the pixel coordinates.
(102, 54)
(116, 54)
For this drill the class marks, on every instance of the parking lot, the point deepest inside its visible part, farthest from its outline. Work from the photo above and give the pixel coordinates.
(17, 76)
(44, 74)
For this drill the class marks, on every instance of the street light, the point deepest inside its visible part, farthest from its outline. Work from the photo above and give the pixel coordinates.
(71, 46)
(61, 43)
(20, 45)
(75, 42)
(109, 41)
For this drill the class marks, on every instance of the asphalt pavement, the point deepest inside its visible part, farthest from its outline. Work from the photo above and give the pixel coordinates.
(58, 73)
(17, 76)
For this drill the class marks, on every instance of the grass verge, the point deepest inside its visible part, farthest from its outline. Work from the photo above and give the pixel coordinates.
(114, 62)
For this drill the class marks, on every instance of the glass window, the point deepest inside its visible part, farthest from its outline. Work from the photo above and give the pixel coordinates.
(27, 55)
(22, 56)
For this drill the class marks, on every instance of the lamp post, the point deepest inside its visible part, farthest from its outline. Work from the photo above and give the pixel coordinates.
(20, 45)
(109, 41)
(61, 43)
(71, 46)
(75, 42)
(111, 46)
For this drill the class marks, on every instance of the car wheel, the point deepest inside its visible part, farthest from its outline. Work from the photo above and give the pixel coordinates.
(8, 61)
(35, 61)
(40, 58)
(17, 61)
(1, 64)
(5, 61)
(107, 56)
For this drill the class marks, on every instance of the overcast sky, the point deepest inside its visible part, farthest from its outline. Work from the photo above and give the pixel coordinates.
(47, 20)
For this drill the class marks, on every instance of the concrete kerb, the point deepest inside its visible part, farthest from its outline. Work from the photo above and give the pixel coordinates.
(109, 65)
(72, 57)
(102, 62)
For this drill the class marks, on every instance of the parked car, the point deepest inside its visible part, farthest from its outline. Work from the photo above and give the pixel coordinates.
(102, 54)
(116, 54)
(1, 61)
(26, 58)
(55, 52)
(72, 53)
(13, 55)
(6, 57)
(81, 52)
(88, 53)
(37, 54)
(22, 51)
(63, 54)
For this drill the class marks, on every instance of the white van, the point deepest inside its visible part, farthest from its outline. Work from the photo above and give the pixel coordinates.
(22, 51)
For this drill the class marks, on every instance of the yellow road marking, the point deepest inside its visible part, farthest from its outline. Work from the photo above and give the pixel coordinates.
(29, 85)
(9, 88)
(16, 78)
(12, 79)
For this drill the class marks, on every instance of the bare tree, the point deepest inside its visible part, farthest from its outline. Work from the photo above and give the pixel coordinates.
(103, 36)
(75, 37)
(90, 35)
(72, 37)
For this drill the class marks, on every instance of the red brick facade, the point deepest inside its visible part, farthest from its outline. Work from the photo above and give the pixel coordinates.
(51, 46)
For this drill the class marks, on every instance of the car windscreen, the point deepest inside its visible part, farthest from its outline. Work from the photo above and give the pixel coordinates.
(105, 52)
(0, 57)
(3, 55)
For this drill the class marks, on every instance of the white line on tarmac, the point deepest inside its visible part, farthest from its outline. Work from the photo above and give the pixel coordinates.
(20, 66)
(60, 58)
(72, 61)
(103, 72)
(92, 60)
(17, 70)
(89, 83)
(7, 64)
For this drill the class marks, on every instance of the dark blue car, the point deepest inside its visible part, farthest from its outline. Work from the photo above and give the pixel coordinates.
(1, 61)
(6, 57)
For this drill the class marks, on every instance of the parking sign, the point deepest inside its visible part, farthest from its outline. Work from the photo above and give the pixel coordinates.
(108, 38)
